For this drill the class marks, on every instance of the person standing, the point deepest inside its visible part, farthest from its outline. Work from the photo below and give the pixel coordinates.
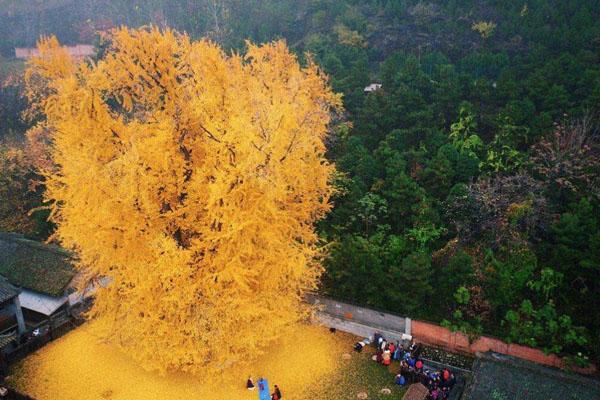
(276, 394)
(263, 389)
(392, 348)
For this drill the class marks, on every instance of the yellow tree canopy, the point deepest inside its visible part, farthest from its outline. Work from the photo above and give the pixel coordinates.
(192, 179)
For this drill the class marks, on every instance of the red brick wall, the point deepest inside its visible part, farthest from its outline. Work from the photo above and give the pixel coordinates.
(455, 341)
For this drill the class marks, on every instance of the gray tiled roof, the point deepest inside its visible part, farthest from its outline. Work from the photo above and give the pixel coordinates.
(497, 376)
(7, 291)
(35, 266)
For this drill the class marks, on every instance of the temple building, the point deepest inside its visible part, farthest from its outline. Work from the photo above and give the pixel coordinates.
(43, 274)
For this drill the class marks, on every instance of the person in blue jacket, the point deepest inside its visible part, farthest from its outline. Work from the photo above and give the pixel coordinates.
(400, 380)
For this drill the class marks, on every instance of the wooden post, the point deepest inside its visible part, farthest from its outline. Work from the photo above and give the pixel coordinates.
(19, 315)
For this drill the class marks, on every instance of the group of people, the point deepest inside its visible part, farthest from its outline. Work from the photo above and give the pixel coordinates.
(276, 395)
(412, 369)
(439, 383)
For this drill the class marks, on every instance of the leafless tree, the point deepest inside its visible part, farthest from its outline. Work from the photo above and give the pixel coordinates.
(218, 11)
(569, 159)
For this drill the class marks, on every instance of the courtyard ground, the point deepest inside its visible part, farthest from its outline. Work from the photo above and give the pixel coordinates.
(308, 364)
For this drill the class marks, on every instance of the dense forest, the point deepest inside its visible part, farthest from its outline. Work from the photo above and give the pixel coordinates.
(468, 184)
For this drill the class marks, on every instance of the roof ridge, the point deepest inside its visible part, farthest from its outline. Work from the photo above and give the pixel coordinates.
(52, 248)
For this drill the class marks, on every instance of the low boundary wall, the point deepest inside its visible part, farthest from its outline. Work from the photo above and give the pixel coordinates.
(361, 315)
(436, 335)
(363, 321)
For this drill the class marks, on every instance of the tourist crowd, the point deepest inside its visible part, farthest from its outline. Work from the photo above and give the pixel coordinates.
(412, 370)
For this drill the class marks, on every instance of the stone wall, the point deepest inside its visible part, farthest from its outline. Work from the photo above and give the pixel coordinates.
(361, 315)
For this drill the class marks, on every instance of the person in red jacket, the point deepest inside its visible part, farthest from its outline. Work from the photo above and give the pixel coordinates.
(419, 366)
(387, 358)
(276, 394)
(445, 374)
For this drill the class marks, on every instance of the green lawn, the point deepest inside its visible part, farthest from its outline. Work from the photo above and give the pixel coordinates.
(360, 374)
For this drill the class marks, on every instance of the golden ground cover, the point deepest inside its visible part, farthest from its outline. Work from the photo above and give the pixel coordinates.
(306, 364)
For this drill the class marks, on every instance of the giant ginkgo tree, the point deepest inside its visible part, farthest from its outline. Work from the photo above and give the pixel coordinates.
(191, 180)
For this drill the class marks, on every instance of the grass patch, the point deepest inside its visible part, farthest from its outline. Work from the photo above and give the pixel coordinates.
(360, 374)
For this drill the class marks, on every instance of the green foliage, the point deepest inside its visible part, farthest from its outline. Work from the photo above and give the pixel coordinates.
(445, 151)
(460, 322)
(462, 295)
(372, 208)
(544, 326)
(413, 284)
(502, 158)
(380, 271)
(509, 271)
(462, 132)
(458, 272)
(498, 395)
(423, 235)
(548, 282)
